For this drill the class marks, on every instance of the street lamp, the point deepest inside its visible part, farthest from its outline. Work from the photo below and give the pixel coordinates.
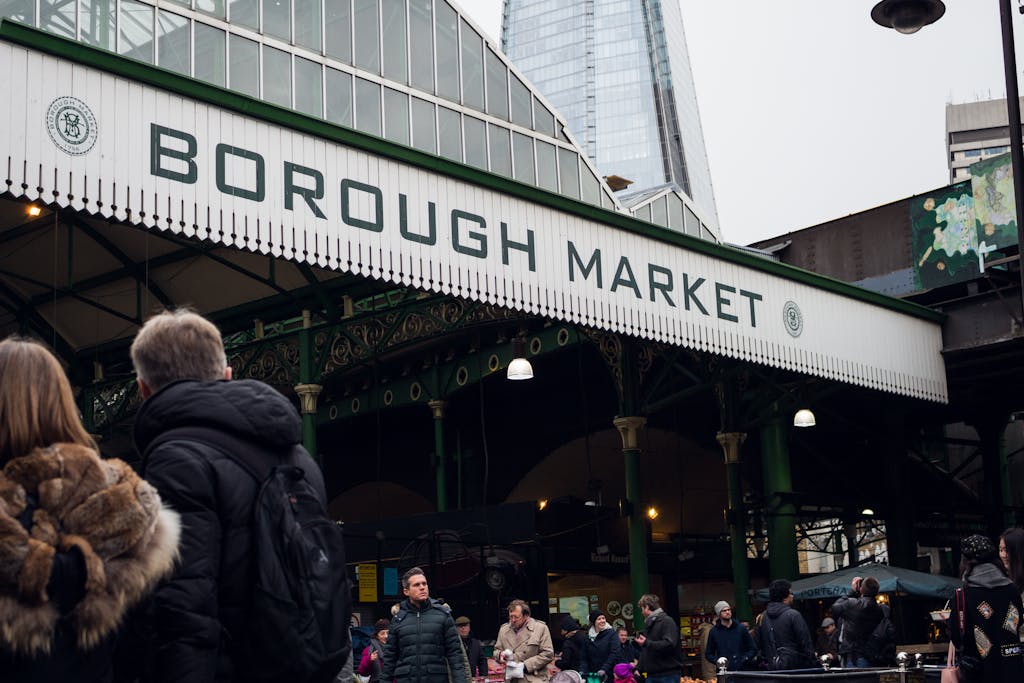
(908, 16)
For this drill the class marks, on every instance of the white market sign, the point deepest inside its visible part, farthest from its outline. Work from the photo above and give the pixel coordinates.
(97, 142)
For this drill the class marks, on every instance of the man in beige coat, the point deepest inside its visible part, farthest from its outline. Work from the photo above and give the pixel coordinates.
(528, 640)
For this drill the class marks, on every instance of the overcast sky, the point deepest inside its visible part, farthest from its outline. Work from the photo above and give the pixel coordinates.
(811, 111)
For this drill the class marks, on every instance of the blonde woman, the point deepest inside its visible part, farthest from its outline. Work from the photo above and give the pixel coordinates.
(81, 539)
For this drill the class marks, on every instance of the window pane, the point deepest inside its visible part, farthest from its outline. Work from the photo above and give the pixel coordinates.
(175, 46)
(277, 76)
(591, 189)
(545, 119)
(522, 147)
(211, 54)
(136, 30)
(497, 86)
(338, 29)
(212, 7)
(396, 116)
(244, 75)
(339, 98)
(472, 68)
(308, 87)
(21, 10)
(183, 3)
(547, 169)
(476, 142)
(501, 154)
(659, 212)
(675, 213)
(692, 222)
(447, 52)
(367, 52)
(55, 16)
(643, 213)
(395, 57)
(521, 99)
(307, 24)
(421, 44)
(449, 133)
(245, 13)
(424, 135)
(98, 23)
(568, 172)
(277, 18)
(367, 106)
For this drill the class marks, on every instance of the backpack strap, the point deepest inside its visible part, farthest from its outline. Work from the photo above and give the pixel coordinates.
(225, 443)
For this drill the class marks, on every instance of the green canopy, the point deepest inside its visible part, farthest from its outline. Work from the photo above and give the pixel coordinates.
(890, 580)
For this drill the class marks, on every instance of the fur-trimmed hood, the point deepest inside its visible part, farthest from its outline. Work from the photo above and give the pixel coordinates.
(68, 498)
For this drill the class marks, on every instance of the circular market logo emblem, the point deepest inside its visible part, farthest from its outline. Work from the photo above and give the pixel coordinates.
(793, 319)
(71, 125)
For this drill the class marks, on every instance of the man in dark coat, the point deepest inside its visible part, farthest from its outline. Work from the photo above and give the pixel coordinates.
(474, 650)
(574, 647)
(783, 638)
(730, 639)
(660, 656)
(423, 645)
(859, 614)
(199, 617)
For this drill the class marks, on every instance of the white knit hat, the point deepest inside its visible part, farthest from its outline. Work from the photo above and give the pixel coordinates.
(719, 606)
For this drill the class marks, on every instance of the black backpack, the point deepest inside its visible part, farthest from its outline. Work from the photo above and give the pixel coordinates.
(880, 648)
(301, 604)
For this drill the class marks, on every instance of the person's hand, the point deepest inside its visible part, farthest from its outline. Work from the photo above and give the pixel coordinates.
(640, 640)
(373, 656)
(855, 584)
(600, 673)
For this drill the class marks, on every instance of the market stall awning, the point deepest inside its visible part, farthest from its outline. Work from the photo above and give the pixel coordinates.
(117, 139)
(890, 580)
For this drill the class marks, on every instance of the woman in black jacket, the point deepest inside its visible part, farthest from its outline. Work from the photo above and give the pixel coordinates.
(82, 539)
(985, 622)
(603, 649)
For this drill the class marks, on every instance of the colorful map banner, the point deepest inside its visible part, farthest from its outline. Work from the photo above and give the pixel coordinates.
(944, 236)
(994, 208)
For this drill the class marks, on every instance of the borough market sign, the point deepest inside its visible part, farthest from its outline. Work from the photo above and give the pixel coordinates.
(119, 142)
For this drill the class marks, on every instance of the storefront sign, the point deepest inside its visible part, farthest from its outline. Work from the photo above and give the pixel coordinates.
(143, 155)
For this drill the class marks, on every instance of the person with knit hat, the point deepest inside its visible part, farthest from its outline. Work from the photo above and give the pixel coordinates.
(574, 646)
(603, 650)
(985, 624)
(730, 639)
(373, 656)
(623, 672)
(474, 649)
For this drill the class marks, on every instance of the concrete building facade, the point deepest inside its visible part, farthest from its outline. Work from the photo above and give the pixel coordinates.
(975, 131)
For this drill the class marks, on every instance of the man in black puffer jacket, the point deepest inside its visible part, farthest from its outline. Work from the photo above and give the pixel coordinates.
(197, 618)
(783, 638)
(423, 645)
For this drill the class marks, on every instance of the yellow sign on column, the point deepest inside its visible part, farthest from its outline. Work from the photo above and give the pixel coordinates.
(367, 575)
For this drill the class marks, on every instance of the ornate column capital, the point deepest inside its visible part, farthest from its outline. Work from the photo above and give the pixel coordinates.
(308, 395)
(437, 408)
(629, 428)
(731, 442)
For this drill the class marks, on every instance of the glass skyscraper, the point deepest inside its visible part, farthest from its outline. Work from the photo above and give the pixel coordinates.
(619, 71)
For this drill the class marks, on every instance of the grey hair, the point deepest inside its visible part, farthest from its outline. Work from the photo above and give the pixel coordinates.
(176, 345)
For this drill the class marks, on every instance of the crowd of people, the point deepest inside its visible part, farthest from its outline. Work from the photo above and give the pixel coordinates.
(106, 575)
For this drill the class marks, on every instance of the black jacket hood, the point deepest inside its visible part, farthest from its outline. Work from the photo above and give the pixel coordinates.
(246, 408)
(775, 609)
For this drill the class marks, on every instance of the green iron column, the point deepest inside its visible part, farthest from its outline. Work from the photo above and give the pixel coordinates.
(437, 407)
(736, 515)
(778, 490)
(629, 428)
(308, 391)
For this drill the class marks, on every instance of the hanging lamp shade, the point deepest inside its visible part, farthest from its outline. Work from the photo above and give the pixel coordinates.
(519, 368)
(803, 418)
